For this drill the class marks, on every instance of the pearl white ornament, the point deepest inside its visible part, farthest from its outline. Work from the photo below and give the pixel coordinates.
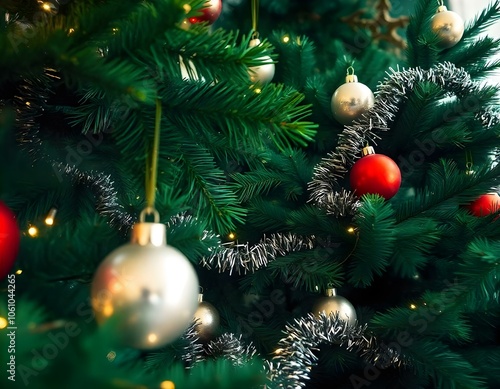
(263, 74)
(149, 290)
(448, 26)
(351, 100)
(331, 303)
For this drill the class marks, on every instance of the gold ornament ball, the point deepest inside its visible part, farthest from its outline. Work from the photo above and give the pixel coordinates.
(208, 320)
(351, 100)
(261, 75)
(448, 26)
(148, 290)
(331, 303)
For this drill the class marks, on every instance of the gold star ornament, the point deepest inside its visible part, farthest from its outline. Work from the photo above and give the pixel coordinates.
(382, 26)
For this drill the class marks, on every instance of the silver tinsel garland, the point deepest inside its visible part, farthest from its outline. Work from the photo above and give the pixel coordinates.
(295, 356)
(232, 348)
(390, 93)
(243, 258)
(193, 351)
(106, 195)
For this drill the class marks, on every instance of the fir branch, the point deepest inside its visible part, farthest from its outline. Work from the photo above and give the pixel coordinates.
(414, 237)
(448, 182)
(375, 225)
(448, 369)
(482, 22)
(479, 271)
(210, 196)
(244, 117)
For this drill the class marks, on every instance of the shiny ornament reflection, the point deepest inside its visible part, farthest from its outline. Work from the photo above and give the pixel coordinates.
(263, 74)
(147, 289)
(208, 319)
(351, 100)
(331, 303)
(448, 26)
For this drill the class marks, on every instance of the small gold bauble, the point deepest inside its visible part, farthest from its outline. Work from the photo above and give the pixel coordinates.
(208, 319)
(448, 26)
(351, 100)
(331, 303)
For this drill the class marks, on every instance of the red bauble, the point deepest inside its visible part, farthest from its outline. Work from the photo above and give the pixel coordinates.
(210, 13)
(9, 239)
(485, 205)
(376, 174)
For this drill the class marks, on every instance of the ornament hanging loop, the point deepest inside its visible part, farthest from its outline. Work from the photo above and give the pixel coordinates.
(350, 76)
(149, 211)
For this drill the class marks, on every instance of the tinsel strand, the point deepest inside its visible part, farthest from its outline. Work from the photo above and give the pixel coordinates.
(230, 347)
(295, 357)
(238, 258)
(193, 351)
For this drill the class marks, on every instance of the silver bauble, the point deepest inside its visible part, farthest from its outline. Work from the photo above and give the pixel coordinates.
(448, 26)
(261, 75)
(351, 100)
(331, 303)
(147, 289)
(207, 319)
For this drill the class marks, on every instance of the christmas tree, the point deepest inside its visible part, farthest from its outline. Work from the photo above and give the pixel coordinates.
(317, 234)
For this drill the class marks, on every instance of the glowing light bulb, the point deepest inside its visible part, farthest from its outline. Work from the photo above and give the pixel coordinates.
(33, 231)
(232, 235)
(19, 271)
(351, 230)
(413, 306)
(286, 39)
(167, 385)
(49, 220)
(3, 323)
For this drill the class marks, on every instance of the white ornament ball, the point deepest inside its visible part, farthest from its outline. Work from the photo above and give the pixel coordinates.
(261, 75)
(448, 26)
(331, 303)
(351, 100)
(148, 289)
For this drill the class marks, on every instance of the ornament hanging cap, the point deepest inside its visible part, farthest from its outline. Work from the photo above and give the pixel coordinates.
(442, 8)
(351, 77)
(200, 295)
(144, 233)
(367, 150)
(330, 292)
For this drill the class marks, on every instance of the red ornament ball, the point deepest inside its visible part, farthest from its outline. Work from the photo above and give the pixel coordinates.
(485, 205)
(376, 174)
(9, 239)
(210, 13)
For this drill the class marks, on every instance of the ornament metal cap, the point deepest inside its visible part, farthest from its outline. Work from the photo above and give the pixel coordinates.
(144, 233)
(254, 42)
(368, 150)
(330, 292)
(442, 8)
(351, 78)
(200, 297)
